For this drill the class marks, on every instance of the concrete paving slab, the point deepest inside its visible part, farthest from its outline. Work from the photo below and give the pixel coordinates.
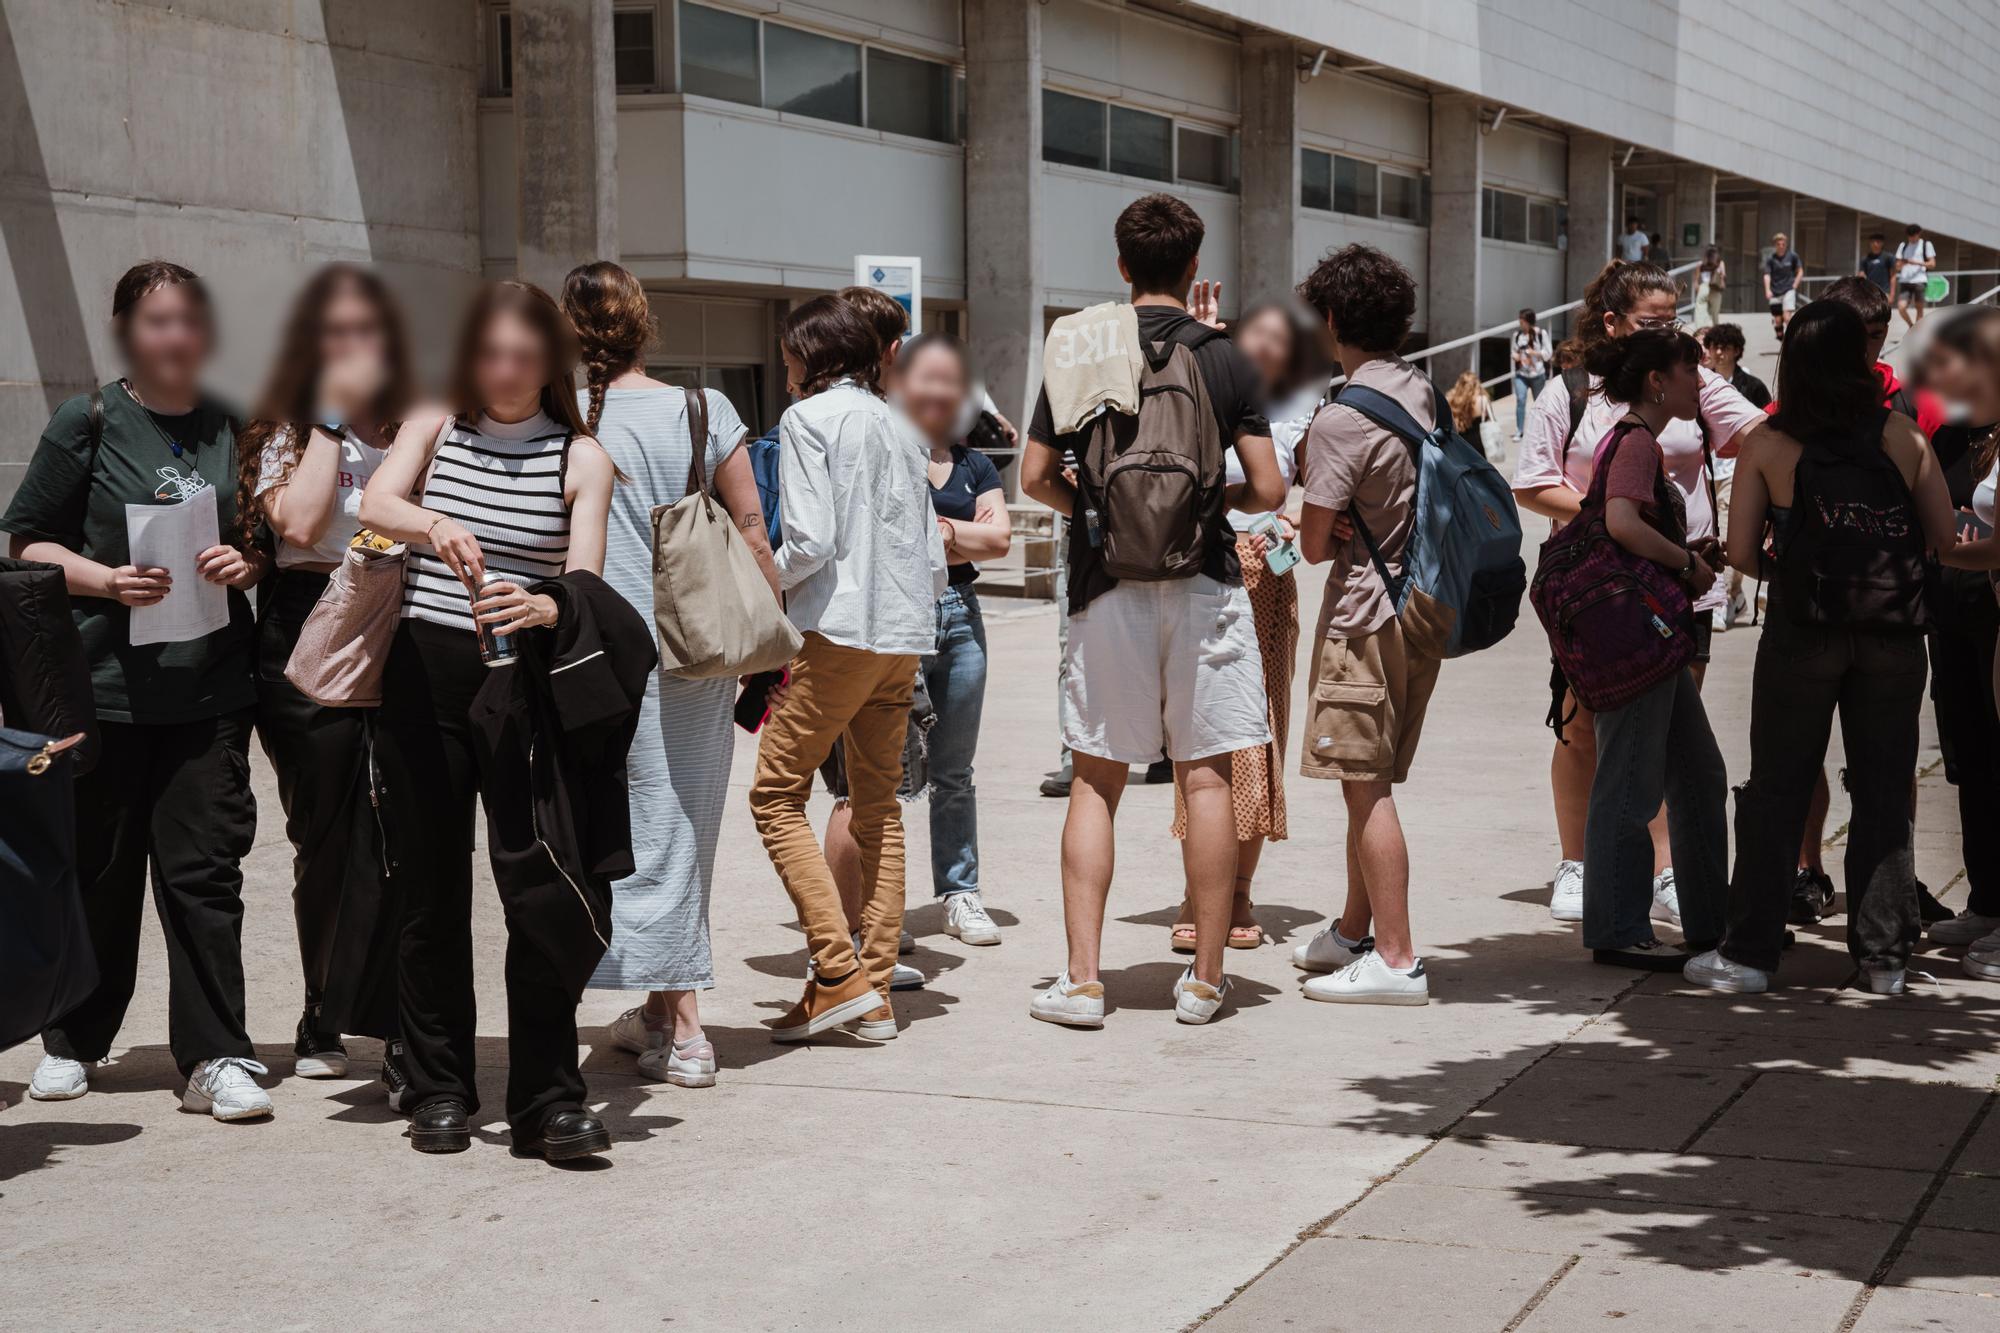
(1941, 1260)
(1867, 1122)
(1966, 1203)
(1333, 1284)
(1834, 1057)
(1904, 1310)
(1620, 1230)
(1982, 1154)
(1604, 1105)
(1693, 1179)
(1657, 1298)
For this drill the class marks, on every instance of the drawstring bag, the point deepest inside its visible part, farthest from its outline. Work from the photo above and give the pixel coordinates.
(47, 965)
(712, 606)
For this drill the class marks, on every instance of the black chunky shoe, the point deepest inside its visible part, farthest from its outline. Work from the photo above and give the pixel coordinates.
(395, 1083)
(441, 1127)
(317, 1054)
(564, 1136)
(1928, 906)
(1812, 897)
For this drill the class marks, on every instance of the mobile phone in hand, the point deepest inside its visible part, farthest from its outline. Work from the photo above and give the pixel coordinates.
(753, 706)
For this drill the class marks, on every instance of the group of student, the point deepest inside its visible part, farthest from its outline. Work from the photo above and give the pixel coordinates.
(1170, 441)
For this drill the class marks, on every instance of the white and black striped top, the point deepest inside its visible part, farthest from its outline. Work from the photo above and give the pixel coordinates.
(503, 481)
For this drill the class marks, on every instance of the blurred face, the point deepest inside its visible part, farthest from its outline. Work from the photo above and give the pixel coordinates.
(167, 337)
(513, 361)
(1874, 246)
(931, 390)
(351, 327)
(1653, 310)
(1963, 380)
(1781, 245)
(1267, 341)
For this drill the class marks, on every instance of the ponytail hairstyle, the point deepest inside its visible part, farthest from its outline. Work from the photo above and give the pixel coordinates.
(290, 398)
(1614, 291)
(614, 326)
(1624, 363)
(539, 311)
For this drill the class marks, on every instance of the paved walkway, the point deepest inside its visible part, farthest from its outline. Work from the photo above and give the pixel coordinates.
(1547, 1145)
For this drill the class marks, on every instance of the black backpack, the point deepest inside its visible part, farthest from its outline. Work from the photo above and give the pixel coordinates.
(1855, 556)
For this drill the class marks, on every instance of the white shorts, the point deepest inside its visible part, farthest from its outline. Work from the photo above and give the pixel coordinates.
(1169, 667)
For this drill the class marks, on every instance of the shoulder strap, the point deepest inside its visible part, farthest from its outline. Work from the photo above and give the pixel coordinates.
(1577, 380)
(96, 424)
(697, 414)
(1391, 416)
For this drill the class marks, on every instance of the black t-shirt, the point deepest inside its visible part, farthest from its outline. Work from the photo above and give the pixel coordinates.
(972, 475)
(1236, 394)
(1783, 270)
(1750, 387)
(76, 498)
(1877, 268)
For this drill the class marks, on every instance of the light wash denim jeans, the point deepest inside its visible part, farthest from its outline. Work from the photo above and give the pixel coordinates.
(956, 676)
(1526, 386)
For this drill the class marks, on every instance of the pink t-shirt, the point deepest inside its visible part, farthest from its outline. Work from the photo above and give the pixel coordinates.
(1727, 413)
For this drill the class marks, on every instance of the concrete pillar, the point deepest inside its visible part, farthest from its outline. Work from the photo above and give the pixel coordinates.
(1843, 241)
(1592, 210)
(1269, 204)
(565, 138)
(1003, 193)
(1694, 206)
(1458, 158)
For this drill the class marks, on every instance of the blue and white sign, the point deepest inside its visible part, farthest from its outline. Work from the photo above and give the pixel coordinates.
(901, 277)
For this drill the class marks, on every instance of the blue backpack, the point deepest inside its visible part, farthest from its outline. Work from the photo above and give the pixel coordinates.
(764, 467)
(1463, 575)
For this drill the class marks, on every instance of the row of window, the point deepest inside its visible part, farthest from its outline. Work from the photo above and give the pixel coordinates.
(1083, 132)
(1507, 216)
(735, 58)
(1339, 184)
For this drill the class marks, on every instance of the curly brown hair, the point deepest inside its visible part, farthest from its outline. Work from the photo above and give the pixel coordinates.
(614, 325)
(831, 340)
(884, 313)
(1366, 298)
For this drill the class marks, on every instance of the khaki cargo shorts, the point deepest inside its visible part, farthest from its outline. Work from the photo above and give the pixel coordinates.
(1369, 696)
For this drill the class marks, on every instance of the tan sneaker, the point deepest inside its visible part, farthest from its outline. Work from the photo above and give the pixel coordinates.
(826, 1006)
(878, 1024)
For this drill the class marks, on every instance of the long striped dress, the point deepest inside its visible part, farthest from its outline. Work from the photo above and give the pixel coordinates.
(678, 770)
(504, 482)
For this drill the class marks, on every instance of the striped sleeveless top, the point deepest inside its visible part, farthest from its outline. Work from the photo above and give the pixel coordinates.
(504, 482)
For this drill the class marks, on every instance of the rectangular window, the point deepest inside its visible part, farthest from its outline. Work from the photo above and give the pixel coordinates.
(503, 23)
(1206, 159)
(1315, 179)
(1142, 144)
(1072, 130)
(909, 96)
(1353, 187)
(1541, 222)
(1489, 214)
(632, 48)
(1513, 216)
(719, 55)
(1402, 197)
(811, 75)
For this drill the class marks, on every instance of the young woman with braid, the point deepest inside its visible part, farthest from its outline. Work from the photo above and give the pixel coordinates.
(678, 770)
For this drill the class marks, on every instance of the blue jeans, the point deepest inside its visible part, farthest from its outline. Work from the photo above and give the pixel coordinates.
(1523, 386)
(956, 677)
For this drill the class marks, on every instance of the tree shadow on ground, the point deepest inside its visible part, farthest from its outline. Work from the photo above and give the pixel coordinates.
(31, 1145)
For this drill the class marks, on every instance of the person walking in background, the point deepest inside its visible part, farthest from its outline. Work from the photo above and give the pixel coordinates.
(1370, 688)
(856, 566)
(1659, 746)
(1551, 476)
(1291, 369)
(1841, 483)
(339, 386)
(1169, 661)
(1472, 414)
(172, 782)
(1782, 270)
(1711, 281)
(511, 491)
(1531, 357)
(1877, 266)
(678, 771)
(1915, 258)
(1722, 348)
(1634, 243)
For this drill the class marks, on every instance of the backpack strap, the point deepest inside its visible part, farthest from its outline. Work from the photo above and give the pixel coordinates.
(1391, 416)
(1577, 380)
(1190, 334)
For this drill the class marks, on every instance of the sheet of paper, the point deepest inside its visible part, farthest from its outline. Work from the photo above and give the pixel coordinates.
(170, 537)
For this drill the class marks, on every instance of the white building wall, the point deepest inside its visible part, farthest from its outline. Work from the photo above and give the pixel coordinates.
(1366, 118)
(1080, 258)
(1409, 246)
(1703, 80)
(1117, 54)
(1528, 160)
(1535, 162)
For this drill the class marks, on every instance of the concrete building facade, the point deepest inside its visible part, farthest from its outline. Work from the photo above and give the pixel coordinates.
(737, 154)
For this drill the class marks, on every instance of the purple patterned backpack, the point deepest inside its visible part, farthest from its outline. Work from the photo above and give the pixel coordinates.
(1618, 624)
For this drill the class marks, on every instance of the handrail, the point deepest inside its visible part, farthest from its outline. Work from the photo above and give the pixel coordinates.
(1540, 315)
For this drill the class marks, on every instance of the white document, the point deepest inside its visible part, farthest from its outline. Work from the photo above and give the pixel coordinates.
(171, 537)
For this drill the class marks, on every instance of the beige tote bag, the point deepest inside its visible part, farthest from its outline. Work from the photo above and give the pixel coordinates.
(338, 660)
(711, 603)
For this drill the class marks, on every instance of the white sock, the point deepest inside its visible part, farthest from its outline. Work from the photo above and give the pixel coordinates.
(1343, 941)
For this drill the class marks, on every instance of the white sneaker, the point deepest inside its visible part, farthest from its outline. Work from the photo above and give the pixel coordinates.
(874, 1029)
(1666, 899)
(1714, 971)
(1719, 620)
(1195, 1001)
(59, 1079)
(1566, 897)
(225, 1089)
(1325, 952)
(905, 977)
(965, 916)
(1965, 928)
(1738, 609)
(1369, 980)
(1074, 1006)
(630, 1032)
(906, 943)
(689, 1064)
(1982, 960)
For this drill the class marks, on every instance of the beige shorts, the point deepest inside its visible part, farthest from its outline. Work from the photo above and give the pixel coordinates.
(1369, 696)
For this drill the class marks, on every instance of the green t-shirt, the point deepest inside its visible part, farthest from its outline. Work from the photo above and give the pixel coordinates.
(76, 499)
